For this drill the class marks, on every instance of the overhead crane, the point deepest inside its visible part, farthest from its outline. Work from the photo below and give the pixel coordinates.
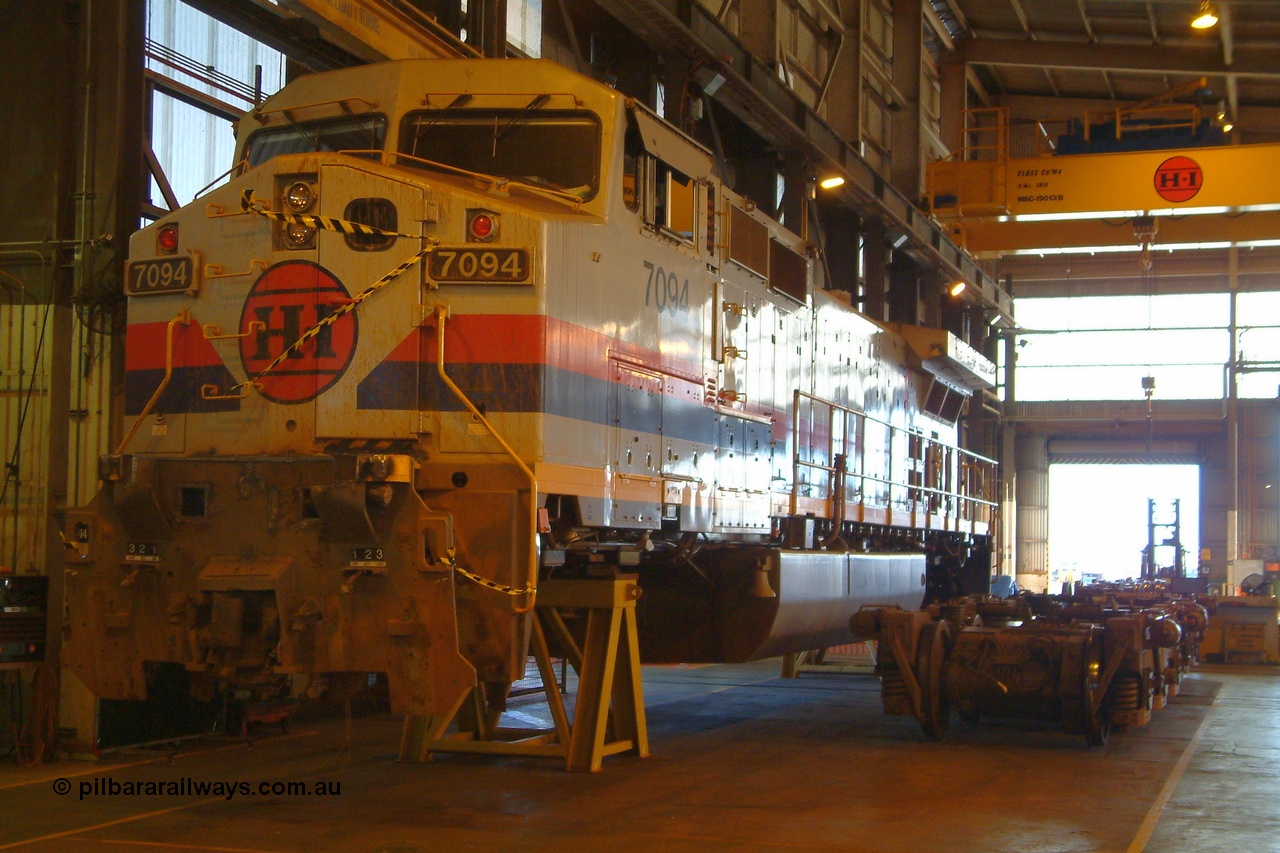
(995, 204)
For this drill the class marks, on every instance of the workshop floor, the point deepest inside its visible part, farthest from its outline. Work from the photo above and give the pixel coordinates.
(742, 760)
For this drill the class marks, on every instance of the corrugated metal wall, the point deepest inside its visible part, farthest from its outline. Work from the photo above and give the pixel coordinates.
(26, 422)
(1032, 547)
(94, 426)
(1259, 483)
(24, 426)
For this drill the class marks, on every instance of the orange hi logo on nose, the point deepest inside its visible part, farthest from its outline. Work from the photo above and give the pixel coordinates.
(289, 302)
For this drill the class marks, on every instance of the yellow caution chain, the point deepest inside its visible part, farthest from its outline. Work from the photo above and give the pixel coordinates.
(485, 582)
(249, 204)
(329, 223)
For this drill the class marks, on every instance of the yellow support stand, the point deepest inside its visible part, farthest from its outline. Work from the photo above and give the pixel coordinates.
(609, 687)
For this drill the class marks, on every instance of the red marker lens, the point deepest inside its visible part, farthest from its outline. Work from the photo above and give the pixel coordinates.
(482, 226)
(167, 239)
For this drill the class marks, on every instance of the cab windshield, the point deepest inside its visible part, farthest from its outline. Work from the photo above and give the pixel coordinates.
(348, 133)
(558, 150)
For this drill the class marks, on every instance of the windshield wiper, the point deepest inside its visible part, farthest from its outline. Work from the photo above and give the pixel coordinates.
(496, 182)
(460, 101)
(499, 135)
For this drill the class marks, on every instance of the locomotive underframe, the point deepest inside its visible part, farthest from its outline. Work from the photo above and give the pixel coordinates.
(276, 575)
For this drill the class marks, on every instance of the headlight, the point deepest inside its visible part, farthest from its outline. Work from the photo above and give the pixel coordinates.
(299, 197)
(299, 236)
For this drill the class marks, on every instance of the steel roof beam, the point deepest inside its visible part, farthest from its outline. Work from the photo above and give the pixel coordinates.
(752, 91)
(1160, 59)
(298, 39)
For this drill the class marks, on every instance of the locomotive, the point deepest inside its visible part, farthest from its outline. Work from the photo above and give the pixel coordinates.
(452, 327)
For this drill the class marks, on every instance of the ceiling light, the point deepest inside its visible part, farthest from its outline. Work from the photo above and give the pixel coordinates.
(1205, 17)
(958, 287)
(831, 182)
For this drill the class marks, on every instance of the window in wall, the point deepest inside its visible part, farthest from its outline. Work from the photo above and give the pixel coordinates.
(193, 146)
(1258, 321)
(202, 73)
(805, 42)
(878, 35)
(876, 127)
(524, 26)
(1100, 348)
(931, 92)
(209, 56)
(727, 12)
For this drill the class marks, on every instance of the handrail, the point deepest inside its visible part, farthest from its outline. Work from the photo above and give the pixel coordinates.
(957, 481)
(183, 318)
(531, 582)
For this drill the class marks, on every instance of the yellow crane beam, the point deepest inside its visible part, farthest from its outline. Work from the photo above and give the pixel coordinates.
(991, 238)
(1234, 178)
(1002, 204)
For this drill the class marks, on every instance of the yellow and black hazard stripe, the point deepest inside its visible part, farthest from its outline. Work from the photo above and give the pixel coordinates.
(485, 582)
(339, 312)
(251, 205)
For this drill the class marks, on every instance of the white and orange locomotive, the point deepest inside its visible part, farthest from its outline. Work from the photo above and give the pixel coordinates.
(456, 326)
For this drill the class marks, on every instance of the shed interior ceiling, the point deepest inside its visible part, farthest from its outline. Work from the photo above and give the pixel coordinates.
(1137, 50)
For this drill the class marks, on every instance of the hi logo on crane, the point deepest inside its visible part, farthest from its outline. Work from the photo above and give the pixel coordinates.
(1178, 179)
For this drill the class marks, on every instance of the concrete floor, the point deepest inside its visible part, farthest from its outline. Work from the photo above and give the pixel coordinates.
(741, 760)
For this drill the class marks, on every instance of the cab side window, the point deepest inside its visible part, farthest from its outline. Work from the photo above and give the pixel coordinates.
(633, 162)
(671, 200)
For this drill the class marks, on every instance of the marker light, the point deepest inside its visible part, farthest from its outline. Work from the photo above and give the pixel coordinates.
(167, 239)
(299, 197)
(483, 227)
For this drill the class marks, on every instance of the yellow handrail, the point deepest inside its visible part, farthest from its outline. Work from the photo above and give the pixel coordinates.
(531, 582)
(182, 317)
